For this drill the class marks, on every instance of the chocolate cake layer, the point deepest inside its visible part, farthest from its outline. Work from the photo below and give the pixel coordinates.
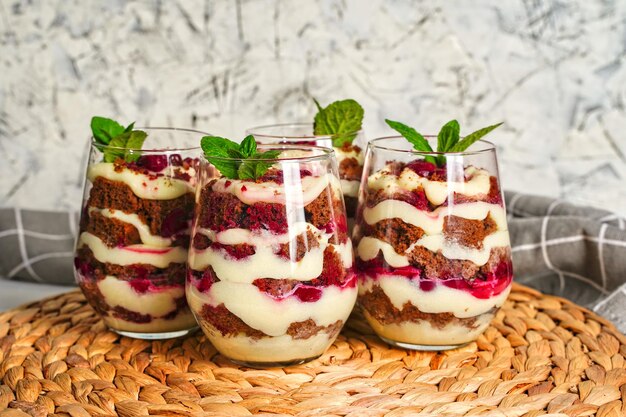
(326, 207)
(350, 169)
(89, 266)
(494, 196)
(229, 324)
(98, 302)
(435, 265)
(303, 243)
(416, 198)
(277, 288)
(308, 328)
(467, 232)
(396, 232)
(333, 272)
(112, 232)
(119, 196)
(379, 306)
(221, 211)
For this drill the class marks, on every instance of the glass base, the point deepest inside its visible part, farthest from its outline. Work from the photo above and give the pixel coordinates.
(277, 364)
(155, 336)
(429, 348)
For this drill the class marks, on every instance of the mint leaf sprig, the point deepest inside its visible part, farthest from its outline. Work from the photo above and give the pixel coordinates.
(448, 139)
(108, 132)
(237, 161)
(340, 119)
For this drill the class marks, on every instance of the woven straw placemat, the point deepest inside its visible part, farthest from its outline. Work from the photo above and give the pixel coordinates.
(541, 355)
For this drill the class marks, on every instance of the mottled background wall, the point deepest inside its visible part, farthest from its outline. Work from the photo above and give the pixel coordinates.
(554, 71)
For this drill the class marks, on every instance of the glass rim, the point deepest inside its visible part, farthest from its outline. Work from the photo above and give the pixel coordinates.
(374, 144)
(101, 146)
(325, 153)
(253, 131)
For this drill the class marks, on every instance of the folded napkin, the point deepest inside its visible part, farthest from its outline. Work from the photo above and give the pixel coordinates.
(558, 248)
(575, 252)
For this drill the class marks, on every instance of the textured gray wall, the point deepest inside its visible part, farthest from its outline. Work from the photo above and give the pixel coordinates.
(552, 70)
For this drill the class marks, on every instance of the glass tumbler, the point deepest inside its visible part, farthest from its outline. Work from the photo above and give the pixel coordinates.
(270, 277)
(432, 244)
(131, 252)
(349, 156)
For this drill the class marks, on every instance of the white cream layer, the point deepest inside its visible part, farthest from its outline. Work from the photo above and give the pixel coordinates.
(265, 263)
(350, 188)
(273, 317)
(267, 349)
(133, 219)
(369, 247)
(432, 222)
(436, 191)
(423, 333)
(184, 320)
(132, 254)
(441, 299)
(159, 188)
(156, 303)
(294, 192)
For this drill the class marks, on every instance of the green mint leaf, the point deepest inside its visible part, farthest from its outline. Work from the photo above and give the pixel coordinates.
(340, 140)
(473, 137)
(104, 129)
(235, 153)
(340, 119)
(248, 146)
(226, 167)
(246, 170)
(215, 148)
(109, 132)
(237, 161)
(448, 136)
(317, 104)
(414, 137)
(134, 142)
(261, 166)
(119, 141)
(256, 169)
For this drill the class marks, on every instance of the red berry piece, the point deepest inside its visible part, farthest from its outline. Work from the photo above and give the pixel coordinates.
(176, 160)
(155, 163)
(308, 294)
(174, 222)
(140, 285)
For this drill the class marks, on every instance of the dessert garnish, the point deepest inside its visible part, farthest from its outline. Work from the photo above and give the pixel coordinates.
(112, 135)
(237, 161)
(341, 119)
(448, 139)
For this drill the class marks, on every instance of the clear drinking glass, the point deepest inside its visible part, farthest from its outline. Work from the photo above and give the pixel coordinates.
(270, 276)
(432, 244)
(131, 252)
(349, 157)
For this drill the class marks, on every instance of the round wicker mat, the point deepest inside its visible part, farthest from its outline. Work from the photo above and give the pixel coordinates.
(541, 355)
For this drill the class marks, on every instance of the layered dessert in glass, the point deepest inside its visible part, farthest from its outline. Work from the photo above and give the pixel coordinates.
(135, 229)
(432, 244)
(271, 278)
(349, 156)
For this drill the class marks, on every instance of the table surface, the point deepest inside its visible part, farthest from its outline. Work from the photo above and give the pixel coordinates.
(16, 293)
(541, 354)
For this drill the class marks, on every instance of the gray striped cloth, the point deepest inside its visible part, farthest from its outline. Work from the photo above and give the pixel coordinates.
(558, 248)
